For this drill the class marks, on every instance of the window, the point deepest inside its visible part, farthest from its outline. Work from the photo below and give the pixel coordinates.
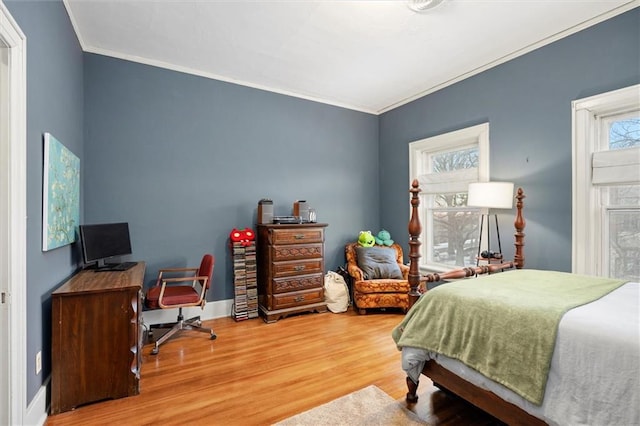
(445, 165)
(606, 185)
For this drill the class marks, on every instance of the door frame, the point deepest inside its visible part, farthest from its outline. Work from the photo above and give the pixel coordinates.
(13, 213)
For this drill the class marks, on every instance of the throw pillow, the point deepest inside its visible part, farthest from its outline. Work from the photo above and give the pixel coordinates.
(378, 263)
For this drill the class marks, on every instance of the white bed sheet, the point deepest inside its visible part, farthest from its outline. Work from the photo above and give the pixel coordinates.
(594, 377)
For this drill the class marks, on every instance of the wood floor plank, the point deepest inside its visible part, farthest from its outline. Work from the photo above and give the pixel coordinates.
(257, 374)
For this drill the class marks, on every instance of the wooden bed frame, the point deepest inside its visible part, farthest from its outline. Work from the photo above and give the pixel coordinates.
(441, 377)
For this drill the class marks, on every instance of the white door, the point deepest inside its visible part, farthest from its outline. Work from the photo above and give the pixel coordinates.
(13, 215)
(4, 219)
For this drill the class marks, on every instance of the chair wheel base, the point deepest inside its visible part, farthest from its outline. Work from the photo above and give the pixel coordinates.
(213, 337)
(155, 351)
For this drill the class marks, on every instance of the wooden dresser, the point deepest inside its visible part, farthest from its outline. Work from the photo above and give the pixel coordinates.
(290, 269)
(96, 337)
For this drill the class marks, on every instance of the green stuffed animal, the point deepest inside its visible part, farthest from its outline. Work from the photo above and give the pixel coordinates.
(384, 238)
(366, 239)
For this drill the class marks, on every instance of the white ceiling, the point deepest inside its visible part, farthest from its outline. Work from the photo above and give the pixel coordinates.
(368, 56)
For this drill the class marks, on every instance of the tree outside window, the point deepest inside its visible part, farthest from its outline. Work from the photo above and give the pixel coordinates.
(445, 165)
(455, 229)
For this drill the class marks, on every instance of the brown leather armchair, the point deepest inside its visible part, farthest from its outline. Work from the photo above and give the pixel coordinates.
(371, 290)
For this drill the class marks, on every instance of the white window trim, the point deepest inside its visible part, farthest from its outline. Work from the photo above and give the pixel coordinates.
(586, 228)
(457, 139)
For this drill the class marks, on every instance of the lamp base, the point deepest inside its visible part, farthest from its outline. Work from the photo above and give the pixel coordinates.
(488, 255)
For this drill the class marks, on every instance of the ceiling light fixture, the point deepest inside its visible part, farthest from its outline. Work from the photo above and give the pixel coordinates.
(422, 5)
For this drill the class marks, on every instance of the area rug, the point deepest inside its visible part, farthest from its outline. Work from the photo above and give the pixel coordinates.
(369, 406)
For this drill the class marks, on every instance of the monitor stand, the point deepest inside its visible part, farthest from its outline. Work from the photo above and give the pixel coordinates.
(102, 266)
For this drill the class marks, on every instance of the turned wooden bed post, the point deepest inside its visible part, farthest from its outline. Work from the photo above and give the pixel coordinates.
(519, 224)
(415, 229)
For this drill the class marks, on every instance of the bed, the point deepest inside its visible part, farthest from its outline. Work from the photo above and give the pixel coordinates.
(582, 366)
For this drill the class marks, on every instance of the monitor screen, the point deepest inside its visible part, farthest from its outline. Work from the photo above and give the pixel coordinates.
(102, 241)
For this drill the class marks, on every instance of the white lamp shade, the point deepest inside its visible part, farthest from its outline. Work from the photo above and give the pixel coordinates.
(492, 195)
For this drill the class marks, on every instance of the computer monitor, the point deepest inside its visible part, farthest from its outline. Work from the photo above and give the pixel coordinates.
(103, 241)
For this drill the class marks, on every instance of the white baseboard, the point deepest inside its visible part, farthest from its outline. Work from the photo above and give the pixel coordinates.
(212, 310)
(36, 413)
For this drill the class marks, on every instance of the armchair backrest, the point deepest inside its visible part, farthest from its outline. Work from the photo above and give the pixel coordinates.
(206, 268)
(352, 255)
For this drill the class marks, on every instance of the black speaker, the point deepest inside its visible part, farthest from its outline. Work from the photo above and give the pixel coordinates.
(265, 211)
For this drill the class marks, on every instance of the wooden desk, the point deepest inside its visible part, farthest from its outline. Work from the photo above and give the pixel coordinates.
(96, 337)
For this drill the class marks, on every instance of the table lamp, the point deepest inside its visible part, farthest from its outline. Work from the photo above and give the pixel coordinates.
(490, 195)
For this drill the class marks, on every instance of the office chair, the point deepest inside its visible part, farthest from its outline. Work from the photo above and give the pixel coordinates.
(187, 289)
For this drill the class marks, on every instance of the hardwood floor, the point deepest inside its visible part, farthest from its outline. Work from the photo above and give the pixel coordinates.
(258, 374)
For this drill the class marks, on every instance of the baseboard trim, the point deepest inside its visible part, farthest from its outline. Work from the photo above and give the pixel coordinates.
(37, 411)
(212, 310)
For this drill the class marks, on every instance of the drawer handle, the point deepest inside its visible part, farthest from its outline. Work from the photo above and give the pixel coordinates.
(299, 236)
(299, 268)
(299, 298)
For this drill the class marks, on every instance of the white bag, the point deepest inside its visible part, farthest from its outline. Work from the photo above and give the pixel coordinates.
(336, 293)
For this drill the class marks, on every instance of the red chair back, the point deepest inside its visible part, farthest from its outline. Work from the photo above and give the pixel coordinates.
(206, 268)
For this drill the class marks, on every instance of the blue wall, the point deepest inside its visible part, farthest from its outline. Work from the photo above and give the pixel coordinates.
(185, 159)
(54, 105)
(527, 102)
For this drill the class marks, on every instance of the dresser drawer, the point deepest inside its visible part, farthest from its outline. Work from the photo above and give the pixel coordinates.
(301, 282)
(297, 267)
(296, 236)
(297, 251)
(305, 297)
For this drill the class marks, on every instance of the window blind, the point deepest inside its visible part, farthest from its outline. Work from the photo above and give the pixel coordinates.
(448, 182)
(620, 166)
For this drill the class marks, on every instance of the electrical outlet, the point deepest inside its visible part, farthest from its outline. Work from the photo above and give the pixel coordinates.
(38, 362)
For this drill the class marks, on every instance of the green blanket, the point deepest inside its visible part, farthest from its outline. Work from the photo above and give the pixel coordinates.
(508, 333)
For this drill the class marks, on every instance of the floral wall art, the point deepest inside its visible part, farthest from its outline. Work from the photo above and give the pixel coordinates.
(61, 195)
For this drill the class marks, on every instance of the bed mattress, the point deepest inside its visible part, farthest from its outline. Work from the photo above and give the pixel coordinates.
(594, 377)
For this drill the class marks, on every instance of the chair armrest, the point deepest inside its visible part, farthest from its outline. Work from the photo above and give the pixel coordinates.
(161, 272)
(405, 270)
(183, 279)
(355, 272)
(178, 270)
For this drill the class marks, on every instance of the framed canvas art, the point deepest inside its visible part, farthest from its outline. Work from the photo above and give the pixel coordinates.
(61, 195)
